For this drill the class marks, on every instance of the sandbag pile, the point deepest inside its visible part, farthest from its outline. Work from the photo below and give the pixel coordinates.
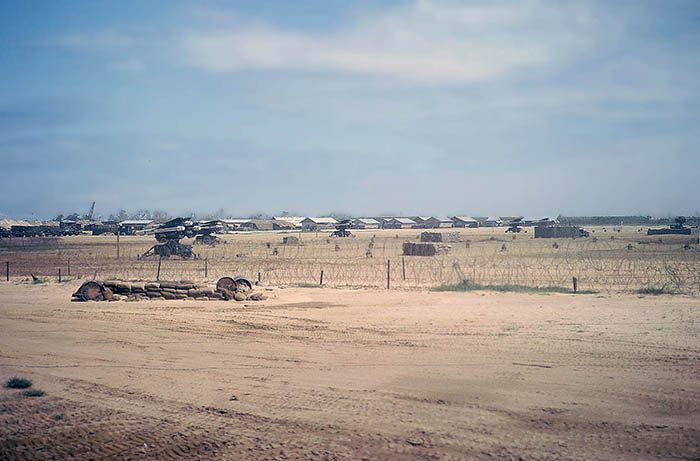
(425, 249)
(418, 249)
(117, 290)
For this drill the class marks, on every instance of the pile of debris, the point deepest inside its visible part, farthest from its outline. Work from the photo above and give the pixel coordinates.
(227, 288)
(451, 237)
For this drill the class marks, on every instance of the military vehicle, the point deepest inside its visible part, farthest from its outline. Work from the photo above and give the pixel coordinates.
(106, 227)
(207, 229)
(341, 229)
(41, 230)
(677, 228)
(176, 229)
(171, 233)
(514, 225)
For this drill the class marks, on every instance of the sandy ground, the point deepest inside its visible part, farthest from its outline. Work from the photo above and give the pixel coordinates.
(351, 374)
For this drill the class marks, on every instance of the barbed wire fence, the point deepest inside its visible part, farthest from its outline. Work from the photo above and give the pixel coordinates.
(598, 265)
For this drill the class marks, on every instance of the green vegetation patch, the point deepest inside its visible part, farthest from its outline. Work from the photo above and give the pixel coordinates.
(18, 383)
(656, 291)
(467, 285)
(34, 393)
(306, 285)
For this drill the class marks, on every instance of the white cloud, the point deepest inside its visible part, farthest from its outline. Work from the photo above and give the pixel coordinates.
(426, 42)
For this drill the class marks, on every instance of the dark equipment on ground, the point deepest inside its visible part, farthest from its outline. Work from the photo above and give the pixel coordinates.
(560, 232)
(205, 234)
(91, 213)
(175, 229)
(514, 226)
(171, 232)
(676, 228)
(341, 229)
(107, 227)
(168, 249)
(43, 231)
(211, 240)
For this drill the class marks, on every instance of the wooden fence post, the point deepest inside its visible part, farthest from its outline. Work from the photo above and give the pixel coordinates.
(403, 267)
(117, 243)
(388, 273)
(7, 271)
(321, 281)
(59, 275)
(158, 273)
(206, 268)
(259, 278)
(69, 267)
(575, 284)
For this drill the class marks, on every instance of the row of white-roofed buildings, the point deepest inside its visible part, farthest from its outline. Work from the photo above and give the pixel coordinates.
(373, 222)
(377, 222)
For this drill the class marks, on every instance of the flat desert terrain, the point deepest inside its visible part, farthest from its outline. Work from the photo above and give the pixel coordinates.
(327, 373)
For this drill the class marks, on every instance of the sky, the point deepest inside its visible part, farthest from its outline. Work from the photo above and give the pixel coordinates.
(478, 108)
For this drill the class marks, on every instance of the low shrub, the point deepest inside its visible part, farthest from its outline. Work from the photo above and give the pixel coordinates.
(34, 393)
(18, 383)
(467, 285)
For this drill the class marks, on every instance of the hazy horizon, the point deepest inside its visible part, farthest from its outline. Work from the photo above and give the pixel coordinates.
(534, 108)
(223, 214)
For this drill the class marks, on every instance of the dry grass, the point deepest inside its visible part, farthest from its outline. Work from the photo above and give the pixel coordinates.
(608, 261)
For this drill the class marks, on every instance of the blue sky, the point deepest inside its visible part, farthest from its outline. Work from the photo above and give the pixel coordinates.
(416, 107)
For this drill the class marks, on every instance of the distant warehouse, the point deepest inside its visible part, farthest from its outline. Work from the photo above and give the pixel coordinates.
(318, 223)
(559, 232)
(365, 223)
(132, 226)
(464, 221)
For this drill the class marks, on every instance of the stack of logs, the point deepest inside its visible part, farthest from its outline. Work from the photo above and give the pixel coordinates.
(117, 290)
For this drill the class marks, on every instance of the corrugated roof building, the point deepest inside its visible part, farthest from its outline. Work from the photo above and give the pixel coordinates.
(326, 222)
(464, 221)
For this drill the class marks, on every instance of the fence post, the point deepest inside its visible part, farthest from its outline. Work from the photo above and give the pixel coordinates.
(403, 267)
(7, 271)
(388, 273)
(575, 284)
(158, 273)
(59, 275)
(69, 267)
(117, 243)
(206, 268)
(259, 278)
(321, 281)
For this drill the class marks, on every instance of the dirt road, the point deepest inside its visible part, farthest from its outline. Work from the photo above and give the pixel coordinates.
(351, 374)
